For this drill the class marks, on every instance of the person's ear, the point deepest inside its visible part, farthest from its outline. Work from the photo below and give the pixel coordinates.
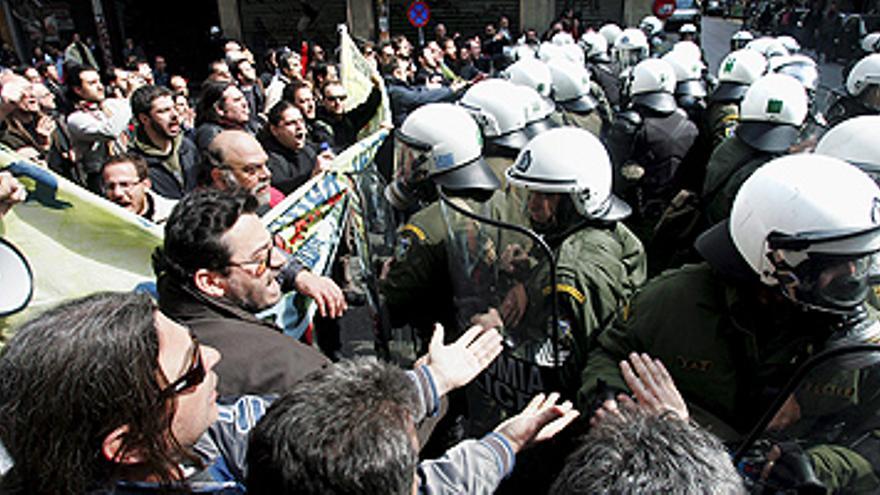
(111, 448)
(217, 179)
(148, 183)
(210, 282)
(143, 119)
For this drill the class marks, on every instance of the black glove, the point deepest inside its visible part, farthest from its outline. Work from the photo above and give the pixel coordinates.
(793, 470)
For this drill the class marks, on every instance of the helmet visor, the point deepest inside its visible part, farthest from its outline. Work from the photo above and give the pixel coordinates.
(833, 282)
(413, 160)
(630, 57)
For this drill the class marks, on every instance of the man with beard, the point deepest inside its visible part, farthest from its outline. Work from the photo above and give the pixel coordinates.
(172, 159)
(292, 161)
(237, 161)
(218, 266)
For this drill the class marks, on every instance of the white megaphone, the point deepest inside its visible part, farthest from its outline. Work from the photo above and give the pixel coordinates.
(16, 279)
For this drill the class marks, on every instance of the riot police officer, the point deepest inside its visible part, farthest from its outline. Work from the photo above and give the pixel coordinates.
(647, 143)
(552, 288)
(783, 279)
(575, 104)
(736, 73)
(863, 92)
(740, 39)
(855, 141)
(772, 112)
(602, 71)
(438, 144)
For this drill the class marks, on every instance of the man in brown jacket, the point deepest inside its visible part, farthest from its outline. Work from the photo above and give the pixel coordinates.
(219, 265)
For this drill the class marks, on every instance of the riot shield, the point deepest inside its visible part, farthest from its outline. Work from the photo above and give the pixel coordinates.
(372, 224)
(504, 277)
(821, 432)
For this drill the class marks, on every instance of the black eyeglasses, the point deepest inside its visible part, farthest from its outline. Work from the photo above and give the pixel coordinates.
(336, 97)
(264, 263)
(193, 376)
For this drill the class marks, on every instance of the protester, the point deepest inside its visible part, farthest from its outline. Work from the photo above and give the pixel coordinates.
(343, 126)
(97, 125)
(172, 158)
(127, 183)
(292, 161)
(219, 266)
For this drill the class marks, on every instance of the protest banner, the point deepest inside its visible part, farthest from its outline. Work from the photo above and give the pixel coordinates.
(76, 242)
(355, 73)
(310, 221)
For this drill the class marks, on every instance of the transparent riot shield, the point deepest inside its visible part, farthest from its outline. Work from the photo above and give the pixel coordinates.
(371, 226)
(503, 277)
(822, 432)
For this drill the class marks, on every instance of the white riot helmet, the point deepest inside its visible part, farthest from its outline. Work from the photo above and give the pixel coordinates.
(569, 160)
(736, 73)
(688, 49)
(865, 73)
(800, 67)
(571, 86)
(562, 38)
(653, 85)
(767, 46)
(498, 107)
(772, 112)
(807, 223)
(573, 53)
(595, 46)
(522, 51)
(688, 74)
(855, 141)
(789, 43)
(532, 73)
(538, 110)
(441, 142)
(630, 48)
(610, 32)
(740, 39)
(871, 42)
(651, 25)
(548, 51)
(687, 28)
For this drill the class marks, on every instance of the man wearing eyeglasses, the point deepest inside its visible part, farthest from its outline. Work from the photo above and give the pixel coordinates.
(126, 183)
(238, 161)
(219, 265)
(343, 126)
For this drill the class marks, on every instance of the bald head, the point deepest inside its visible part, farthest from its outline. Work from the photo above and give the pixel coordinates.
(238, 161)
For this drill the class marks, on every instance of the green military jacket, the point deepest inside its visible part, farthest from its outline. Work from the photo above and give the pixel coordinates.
(591, 121)
(721, 120)
(728, 358)
(732, 162)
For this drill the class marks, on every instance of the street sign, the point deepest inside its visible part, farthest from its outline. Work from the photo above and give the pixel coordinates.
(418, 14)
(663, 8)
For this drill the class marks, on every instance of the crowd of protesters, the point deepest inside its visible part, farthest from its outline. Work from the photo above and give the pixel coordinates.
(120, 393)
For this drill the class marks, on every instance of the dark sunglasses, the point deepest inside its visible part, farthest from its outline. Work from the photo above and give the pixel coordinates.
(336, 97)
(194, 375)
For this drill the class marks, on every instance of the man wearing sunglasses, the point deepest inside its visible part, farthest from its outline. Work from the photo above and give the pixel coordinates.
(219, 265)
(107, 395)
(341, 125)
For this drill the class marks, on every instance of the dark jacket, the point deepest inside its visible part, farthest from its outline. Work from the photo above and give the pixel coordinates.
(405, 98)
(257, 357)
(171, 180)
(344, 130)
(290, 168)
